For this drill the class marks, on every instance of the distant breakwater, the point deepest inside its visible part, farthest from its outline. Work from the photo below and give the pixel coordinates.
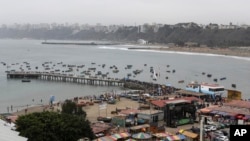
(74, 43)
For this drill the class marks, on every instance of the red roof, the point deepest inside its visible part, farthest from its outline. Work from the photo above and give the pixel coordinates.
(129, 111)
(238, 103)
(162, 103)
(99, 127)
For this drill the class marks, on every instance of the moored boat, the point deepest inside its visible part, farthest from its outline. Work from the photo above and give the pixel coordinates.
(234, 85)
(223, 78)
(181, 81)
(26, 80)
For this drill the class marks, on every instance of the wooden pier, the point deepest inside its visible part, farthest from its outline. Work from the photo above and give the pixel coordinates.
(65, 78)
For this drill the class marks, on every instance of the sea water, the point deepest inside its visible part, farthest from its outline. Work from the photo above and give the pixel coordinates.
(187, 66)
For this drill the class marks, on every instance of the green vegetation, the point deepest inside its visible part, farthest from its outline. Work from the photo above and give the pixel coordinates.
(52, 126)
(210, 35)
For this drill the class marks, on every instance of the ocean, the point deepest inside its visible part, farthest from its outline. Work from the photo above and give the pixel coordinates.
(30, 55)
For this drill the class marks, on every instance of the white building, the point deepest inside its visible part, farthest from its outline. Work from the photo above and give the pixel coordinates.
(151, 115)
(8, 134)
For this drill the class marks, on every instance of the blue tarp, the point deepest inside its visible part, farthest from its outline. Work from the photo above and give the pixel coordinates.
(222, 113)
(214, 112)
(182, 137)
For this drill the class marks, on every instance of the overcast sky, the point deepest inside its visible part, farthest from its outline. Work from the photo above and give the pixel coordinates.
(128, 12)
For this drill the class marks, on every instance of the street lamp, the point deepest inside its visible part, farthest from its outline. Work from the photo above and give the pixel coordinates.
(201, 128)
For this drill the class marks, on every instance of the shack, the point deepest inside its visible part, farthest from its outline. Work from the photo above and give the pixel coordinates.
(151, 116)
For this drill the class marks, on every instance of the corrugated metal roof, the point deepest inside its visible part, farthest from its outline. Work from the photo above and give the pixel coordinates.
(162, 103)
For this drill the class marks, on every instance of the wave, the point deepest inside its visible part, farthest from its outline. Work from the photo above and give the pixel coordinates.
(193, 53)
(176, 52)
(105, 47)
(143, 46)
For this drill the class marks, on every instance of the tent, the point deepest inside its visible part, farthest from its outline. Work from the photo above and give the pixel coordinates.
(119, 135)
(130, 140)
(141, 136)
(162, 135)
(175, 137)
(105, 138)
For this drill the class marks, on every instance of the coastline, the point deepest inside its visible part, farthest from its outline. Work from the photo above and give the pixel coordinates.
(229, 51)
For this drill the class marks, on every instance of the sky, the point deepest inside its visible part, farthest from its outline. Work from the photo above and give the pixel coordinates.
(127, 12)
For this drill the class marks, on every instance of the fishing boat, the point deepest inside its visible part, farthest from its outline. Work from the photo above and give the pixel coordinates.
(209, 75)
(223, 78)
(104, 119)
(234, 85)
(26, 80)
(181, 81)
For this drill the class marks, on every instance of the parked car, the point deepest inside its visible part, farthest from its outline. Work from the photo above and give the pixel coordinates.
(221, 138)
(208, 128)
(218, 132)
(210, 122)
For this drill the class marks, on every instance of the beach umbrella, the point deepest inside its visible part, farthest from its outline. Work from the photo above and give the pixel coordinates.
(105, 138)
(174, 138)
(130, 140)
(120, 135)
(141, 135)
(125, 135)
(161, 135)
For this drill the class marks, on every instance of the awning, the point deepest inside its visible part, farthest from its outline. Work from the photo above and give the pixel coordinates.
(170, 138)
(189, 134)
(140, 127)
(247, 116)
(161, 135)
(175, 137)
(181, 137)
(105, 138)
(222, 113)
(205, 110)
(214, 112)
(119, 135)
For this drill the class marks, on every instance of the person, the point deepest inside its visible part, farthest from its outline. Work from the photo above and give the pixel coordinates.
(118, 128)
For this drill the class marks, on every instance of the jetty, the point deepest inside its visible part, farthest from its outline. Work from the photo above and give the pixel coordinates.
(65, 78)
(76, 43)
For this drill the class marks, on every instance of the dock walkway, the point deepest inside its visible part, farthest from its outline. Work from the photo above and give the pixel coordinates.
(65, 78)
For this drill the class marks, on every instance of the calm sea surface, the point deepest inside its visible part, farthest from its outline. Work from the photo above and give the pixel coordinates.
(187, 66)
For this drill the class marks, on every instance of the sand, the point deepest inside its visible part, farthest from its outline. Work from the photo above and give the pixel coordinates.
(92, 110)
(228, 51)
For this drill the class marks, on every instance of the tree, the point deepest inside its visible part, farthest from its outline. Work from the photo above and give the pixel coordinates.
(52, 126)
(70, 107)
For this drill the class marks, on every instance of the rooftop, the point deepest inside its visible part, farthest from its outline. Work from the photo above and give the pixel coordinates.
(162, 103)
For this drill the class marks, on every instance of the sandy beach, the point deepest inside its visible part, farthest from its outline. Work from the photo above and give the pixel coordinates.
(229, 51)
(92, 110)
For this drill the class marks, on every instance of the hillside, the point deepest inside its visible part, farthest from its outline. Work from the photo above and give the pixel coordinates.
(179, 35)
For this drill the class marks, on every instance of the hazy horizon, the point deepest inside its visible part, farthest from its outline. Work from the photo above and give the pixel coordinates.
(127, 12)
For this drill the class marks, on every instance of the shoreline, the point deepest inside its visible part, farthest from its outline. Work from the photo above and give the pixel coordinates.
(229, 51)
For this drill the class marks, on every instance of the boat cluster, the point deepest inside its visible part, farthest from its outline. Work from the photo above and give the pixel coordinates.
(94, 70)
